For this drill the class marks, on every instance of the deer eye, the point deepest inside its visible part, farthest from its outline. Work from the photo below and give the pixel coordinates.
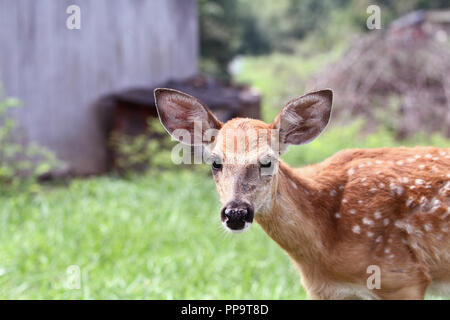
(216, 166)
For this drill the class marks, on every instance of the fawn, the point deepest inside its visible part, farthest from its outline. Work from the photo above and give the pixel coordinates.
(387, 207)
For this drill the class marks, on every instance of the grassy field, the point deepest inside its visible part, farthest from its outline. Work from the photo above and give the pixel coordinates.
(154, 237)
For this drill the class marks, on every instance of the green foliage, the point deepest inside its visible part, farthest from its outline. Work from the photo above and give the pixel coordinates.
(155, 237)
(234, 27)
(151, 149)
(20, 164)
(339, 137)
(246, 27)
(280, 77)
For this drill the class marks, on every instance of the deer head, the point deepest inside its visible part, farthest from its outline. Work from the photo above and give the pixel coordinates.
(243, 153)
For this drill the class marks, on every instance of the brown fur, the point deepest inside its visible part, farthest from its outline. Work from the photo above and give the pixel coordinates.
(326, 249)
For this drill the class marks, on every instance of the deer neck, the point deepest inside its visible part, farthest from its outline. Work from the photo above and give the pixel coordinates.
(297, 220)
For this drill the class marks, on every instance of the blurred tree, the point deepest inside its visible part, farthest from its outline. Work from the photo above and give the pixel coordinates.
(228, 28)
(307, 15)
(219, 35)
(232, 27)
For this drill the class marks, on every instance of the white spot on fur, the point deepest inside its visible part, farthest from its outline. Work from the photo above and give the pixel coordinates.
(367, 221)
(409, 201)
(405, 226)
(419, 182)
(351, 171)
(333, 193)
(377, 214)
(423, 201)
(435, 204)
(396, 189)
(446, 214)
(369, 234)
(337, 215)
(378, 239)
(356, 229)
(352, 211)
(386, 221)
(428, 227)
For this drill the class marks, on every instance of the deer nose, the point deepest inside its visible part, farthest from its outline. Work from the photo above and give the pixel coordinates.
(237, 214)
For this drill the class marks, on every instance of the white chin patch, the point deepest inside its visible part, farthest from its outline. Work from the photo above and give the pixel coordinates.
(246, 226)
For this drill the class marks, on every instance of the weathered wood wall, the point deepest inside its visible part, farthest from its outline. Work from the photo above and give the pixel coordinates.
(60, 73)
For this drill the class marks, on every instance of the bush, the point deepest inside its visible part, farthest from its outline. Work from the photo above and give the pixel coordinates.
(151, 151)
(20, 164)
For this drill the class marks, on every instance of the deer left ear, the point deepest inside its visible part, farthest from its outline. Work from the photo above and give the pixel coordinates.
(302, 119)
(185, 118)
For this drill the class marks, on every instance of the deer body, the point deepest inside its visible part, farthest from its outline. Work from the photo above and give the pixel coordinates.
(386, 208)
(361, 208)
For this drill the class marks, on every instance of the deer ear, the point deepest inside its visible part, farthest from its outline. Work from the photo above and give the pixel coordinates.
(184, 117)
(302, 119)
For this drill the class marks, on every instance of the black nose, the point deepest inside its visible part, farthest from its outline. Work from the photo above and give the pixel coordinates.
(236, 213)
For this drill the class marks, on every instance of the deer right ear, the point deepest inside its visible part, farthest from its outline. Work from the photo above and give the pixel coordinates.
(184, 117)
(302, 119)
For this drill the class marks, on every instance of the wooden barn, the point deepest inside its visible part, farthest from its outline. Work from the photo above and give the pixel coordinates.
(63, 58)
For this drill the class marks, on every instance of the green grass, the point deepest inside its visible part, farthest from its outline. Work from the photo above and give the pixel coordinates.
(154, 237)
